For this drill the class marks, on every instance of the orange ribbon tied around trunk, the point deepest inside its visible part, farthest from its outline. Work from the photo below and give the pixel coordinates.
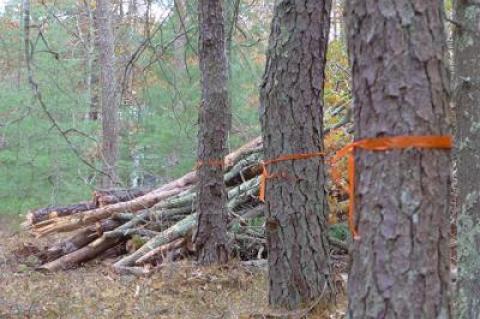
(290, 157)
(381, 144)
(212, 163)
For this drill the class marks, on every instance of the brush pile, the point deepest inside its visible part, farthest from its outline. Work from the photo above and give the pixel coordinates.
(142, 229)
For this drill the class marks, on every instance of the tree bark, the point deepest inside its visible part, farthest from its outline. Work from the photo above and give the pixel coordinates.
(80, 239)
(70, 223)
(467, 97)
(107, 197)
(400, 263)
(110, 127)
(292, 123)
(42, 214)
(214, 123)
(84, 254)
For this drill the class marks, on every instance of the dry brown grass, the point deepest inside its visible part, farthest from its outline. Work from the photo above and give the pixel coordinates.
(94, 291)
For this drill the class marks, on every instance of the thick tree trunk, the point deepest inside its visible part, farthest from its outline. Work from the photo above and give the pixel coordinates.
(467, 97)
(110, 127)
(400, 263)
(214, 123)
(292, 123)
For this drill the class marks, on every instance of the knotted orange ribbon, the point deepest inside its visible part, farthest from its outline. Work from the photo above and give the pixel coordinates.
(372, 144)
(381, 144)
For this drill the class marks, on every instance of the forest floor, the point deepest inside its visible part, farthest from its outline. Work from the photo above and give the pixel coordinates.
(179, 290)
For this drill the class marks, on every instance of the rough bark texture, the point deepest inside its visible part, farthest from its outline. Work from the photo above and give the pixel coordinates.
(214, 123)
(110, 129)
(467, 97)
(292, 122)
(107, 197)
(84, 254)
(400, 263)
(80, 239)
(42, 214)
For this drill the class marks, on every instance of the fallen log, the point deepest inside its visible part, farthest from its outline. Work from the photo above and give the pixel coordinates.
(90, 215)
(42, 214)
(84, 254)
(159, 252)
(176, 231)
(184, 226)
(251, 146)
(107, 197)
(70, 223)
(80, 239)
(153, 215)
(244, 169)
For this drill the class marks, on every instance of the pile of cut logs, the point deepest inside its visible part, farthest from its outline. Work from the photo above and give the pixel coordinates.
(145, 228)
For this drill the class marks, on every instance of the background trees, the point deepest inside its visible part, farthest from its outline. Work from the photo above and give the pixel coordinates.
(157, 113)
(292, 123)
(108, 87)
(50, 153)
(400, 86)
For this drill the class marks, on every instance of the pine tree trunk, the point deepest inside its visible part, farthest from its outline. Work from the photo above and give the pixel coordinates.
(110, 127)
(400, 263)
(292, 123)
(467, 97)
(214, 123)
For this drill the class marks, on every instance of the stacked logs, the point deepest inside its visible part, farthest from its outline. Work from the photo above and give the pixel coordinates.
(147, 227)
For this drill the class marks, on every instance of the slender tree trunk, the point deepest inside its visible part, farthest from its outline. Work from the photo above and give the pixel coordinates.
(110, 127)
(467, 100)
(91, 59)
(400, 263)
(181, 40)
(93, 86)
(214, 124)
(292, 123)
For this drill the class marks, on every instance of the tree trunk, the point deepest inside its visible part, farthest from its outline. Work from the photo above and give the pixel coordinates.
(292, 123)
(181, 40)
(110, 129)
(93, 78)
(400, 263)
(87, 34)
(467, 97)
(214, 123)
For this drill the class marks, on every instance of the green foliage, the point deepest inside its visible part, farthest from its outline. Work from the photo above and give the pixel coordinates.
(339, 231)
(38, 167)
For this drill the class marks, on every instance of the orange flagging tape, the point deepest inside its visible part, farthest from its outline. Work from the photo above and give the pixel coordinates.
(372, 144)
(290, 157)
(211, 163)
(381, 144)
